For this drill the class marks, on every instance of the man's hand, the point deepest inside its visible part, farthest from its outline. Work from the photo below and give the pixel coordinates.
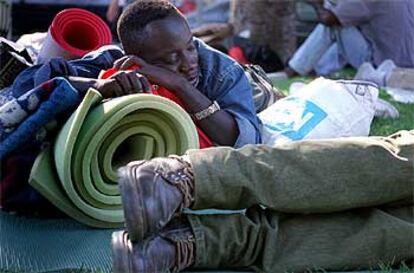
(325, 16)
(123, 83)
(120, 84)
(328, 18)
(315, 3)
(156, 74)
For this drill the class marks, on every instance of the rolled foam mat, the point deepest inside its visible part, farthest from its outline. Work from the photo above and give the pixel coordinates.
(80, 175)
(73, 33)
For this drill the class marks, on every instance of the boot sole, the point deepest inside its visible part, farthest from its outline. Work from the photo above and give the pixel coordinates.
(132, 204)
(120, 254)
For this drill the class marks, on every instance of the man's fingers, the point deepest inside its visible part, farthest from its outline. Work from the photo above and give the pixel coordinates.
(132, 82)
(119, 62)
(136, 86)
(124, 82)
(140, 83)
(145, 83)
(128, 62)
(116, 89)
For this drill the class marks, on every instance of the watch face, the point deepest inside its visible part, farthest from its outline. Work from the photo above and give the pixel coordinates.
(214, 107)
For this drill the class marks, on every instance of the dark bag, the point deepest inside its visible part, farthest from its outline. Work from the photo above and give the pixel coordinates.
(5, 18)
(261, 55)
(264, 93)
(13, 60)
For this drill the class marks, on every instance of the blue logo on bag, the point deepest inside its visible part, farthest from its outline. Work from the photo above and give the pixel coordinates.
(295, 126)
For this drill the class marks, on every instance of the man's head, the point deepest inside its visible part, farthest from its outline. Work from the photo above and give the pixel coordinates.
(158, 33)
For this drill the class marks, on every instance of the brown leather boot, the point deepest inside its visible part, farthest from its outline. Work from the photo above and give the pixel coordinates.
(152, 192)
(172, 250)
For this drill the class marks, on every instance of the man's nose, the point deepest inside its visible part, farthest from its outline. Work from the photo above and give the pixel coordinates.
(186, 63)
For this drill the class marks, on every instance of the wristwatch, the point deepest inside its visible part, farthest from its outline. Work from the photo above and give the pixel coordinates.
(214, 107)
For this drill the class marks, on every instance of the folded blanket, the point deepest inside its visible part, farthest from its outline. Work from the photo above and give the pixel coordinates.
(41, 94)
(22, 118)
(38, 102)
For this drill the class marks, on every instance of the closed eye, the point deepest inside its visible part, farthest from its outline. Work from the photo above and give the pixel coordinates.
(171, 59)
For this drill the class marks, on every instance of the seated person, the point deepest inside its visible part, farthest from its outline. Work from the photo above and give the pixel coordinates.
(197, 12)
(354, 32)
(156, 37)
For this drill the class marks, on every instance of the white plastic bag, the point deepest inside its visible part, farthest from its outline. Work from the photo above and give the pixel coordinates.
(321, 109)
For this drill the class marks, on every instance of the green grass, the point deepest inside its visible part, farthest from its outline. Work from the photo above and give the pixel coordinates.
(385, 127)
(380, 126)
(403, 269)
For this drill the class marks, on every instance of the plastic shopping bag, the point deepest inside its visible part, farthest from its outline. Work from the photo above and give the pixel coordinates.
(321, 109)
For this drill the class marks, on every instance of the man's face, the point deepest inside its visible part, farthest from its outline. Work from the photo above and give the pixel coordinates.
(170, 45)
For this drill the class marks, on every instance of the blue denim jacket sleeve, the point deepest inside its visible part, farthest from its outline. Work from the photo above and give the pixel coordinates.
(94, 62)
(223, 80)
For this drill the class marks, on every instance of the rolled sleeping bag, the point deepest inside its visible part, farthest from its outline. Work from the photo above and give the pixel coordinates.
(79, 176)
(73, 33)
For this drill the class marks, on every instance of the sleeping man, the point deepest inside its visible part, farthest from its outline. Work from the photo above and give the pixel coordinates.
(210, 86)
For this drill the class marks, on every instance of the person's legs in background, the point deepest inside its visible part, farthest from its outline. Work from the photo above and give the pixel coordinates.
(314, 47)
(331, 61)
(329, 49)
(353, 46)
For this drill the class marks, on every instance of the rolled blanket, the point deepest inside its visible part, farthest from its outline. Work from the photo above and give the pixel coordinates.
(79, 175)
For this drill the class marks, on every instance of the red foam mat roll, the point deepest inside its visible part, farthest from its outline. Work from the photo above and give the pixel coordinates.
(73, 33)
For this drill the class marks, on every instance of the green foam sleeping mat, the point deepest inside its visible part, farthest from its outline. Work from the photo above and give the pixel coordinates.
(62, 245)
(29, 244)
(79, 174)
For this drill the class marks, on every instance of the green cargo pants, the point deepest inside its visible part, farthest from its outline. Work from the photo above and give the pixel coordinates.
(342, 204)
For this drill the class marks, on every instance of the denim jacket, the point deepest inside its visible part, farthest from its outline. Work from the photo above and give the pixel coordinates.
(224, 80)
